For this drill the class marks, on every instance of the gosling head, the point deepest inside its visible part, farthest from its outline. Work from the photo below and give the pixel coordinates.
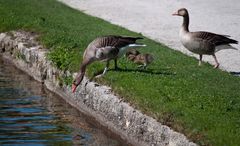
(132, 52)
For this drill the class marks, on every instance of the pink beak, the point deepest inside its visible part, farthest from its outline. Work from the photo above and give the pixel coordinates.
(175, 14)
(74, 87)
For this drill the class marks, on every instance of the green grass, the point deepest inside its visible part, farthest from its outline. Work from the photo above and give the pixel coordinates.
(202, 102)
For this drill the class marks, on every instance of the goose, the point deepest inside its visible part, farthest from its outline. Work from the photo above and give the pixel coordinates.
(201, 42)
(142, 59)
(105, 48)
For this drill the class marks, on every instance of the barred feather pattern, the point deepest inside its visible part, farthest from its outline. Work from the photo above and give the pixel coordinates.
(113, 41)
(214, 39)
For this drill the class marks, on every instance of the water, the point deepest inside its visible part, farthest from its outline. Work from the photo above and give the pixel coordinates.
(31, 115)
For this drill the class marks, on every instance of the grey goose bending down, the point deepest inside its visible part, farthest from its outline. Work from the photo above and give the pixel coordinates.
(202, 42)
(105, 48)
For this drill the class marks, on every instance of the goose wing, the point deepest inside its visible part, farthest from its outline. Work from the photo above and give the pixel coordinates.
(108, 46)
(214, 39)
(113, 41)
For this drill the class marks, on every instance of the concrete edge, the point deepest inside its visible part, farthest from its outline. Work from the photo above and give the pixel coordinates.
(98, 101)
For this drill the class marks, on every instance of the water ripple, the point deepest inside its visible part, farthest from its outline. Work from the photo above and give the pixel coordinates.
(31, 115)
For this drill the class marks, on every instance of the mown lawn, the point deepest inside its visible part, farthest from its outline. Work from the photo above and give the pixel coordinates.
(202, 102)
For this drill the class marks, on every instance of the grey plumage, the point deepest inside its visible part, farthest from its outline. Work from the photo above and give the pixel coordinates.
(113, 41)
(214, 39)
(105, 48)
(202, 42)
(111, 44)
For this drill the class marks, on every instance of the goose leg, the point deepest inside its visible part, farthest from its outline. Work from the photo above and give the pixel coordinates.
(145, 66)
(215, 58)
(104, 71)
(142, 66)
(200, 60)
(116, 66)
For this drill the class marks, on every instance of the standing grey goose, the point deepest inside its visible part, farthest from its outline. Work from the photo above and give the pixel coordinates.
(105, 48)
(202, 42)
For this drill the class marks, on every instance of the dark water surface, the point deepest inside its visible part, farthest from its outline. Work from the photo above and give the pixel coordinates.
(31, 115)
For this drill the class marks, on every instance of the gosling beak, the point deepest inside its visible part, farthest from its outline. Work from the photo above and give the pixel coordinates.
(74, 87)
(175, 14)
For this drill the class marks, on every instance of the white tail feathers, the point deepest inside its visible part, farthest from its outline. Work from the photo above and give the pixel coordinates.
(123, 50)
(222, 47)
(136, 45)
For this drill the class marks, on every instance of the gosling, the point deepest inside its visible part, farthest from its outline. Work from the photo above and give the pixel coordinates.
(143, 60)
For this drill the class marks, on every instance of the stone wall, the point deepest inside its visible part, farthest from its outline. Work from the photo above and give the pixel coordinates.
(98, 101)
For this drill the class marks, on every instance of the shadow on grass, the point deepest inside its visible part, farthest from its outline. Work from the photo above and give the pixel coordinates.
(235, 73)
(148, 71)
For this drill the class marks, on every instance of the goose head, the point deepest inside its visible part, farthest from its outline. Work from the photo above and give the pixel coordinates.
(77, 81)
(181, 12)
(184, 13)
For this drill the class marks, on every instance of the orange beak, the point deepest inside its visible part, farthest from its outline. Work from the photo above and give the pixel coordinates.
(175, 14)
(74, 87)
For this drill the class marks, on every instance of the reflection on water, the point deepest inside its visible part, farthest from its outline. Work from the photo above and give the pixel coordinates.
(31, 115)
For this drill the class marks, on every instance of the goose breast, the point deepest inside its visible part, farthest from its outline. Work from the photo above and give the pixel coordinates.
(196, 45)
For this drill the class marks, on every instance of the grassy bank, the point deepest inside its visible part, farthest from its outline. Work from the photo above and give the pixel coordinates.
(202, 102)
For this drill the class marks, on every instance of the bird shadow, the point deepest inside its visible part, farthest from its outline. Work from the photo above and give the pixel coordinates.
(235, 73)
(146, 71)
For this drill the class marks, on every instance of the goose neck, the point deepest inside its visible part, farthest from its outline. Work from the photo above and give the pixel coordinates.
(185, 24)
